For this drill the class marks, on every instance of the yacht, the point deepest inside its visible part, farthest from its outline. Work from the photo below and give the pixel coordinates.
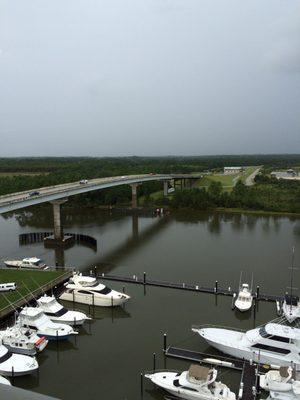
(291, 307)
(26, 263)
(196, 383)
(272, 343)
(282, 384)
(4, 381)
(22, 340)
(34, 318)
(244, 299)
(57, 313)
(16, 364)
(89, 290)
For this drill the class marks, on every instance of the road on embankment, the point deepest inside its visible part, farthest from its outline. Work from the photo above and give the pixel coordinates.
(250, 179)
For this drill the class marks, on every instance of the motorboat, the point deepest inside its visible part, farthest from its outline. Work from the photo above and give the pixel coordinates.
(197, 383)
(4, 381)
(57, 313)
(34, 318)
(26, 263)
(244, 298)
(291, 307)
(273, 343)
(282, 384)
(12, 364)
(89, 290)
(22, 340)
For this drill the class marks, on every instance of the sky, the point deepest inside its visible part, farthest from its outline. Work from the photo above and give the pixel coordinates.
(149, 77)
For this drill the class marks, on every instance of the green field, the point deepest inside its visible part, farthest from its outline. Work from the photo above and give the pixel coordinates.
(27, 282)
(227, 181)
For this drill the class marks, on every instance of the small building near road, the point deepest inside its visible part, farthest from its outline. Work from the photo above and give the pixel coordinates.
(288, 174)
(232, 170)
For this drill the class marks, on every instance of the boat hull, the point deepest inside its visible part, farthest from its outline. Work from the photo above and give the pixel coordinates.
(53, 337)
(18, 350)
(246, 353)
(88, 299)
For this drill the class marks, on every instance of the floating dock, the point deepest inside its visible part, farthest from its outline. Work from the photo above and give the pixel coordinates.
(216, 289)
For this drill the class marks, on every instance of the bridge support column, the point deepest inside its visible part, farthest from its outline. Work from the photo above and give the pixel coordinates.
(134, 187)
(166, 186)
(58, 230)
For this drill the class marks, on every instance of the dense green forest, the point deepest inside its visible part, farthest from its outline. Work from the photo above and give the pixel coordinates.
(269, 194)
(18, 174)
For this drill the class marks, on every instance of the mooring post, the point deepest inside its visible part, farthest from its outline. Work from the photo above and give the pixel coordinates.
(95, 271)
(12, 375)
(216, 287)
(142, 384)
(165, 343)
(257, 292)
(144, 278)
(154, 361)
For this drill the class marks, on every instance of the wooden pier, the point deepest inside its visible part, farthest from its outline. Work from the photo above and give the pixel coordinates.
(216, 289)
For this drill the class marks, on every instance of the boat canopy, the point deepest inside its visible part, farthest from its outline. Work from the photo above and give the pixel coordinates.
(198, 372)
(283, 331)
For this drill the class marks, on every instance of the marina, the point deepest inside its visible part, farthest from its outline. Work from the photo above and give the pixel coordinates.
(143, 320)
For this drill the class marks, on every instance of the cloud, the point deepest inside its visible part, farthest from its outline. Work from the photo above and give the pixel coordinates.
(283, 54)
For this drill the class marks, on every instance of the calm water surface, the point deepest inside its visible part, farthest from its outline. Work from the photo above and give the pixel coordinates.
(105, 360)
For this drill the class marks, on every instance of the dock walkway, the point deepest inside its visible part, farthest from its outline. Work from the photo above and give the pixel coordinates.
(185, 286)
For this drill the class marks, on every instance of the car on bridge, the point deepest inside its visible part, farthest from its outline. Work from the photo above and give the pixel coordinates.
(83, 182)
(35, 193)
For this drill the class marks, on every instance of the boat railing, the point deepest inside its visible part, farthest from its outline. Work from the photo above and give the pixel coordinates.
(196, 327)
(154, 371)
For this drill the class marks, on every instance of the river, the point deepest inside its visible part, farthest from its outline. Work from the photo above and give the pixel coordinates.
(105, 360)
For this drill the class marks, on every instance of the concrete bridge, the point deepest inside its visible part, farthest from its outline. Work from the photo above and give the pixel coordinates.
(58, 194)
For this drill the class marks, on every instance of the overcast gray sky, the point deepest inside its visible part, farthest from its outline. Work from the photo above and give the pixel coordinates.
(149, 77)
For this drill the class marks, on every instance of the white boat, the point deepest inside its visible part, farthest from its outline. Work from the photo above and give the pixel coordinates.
(244, 298)
(196, 383)
(89, 290)
(4, 381)
(291, 307)
(272, 343)
(34, 318)
(282, 384)
(12, 364)
(22, 340)
(29, 263)
(57, 313)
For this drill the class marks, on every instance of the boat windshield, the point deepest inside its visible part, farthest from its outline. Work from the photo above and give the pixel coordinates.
(105, 290)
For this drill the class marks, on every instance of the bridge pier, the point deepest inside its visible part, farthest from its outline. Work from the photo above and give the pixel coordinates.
(134, 202)
(166, 187)
(58, 229)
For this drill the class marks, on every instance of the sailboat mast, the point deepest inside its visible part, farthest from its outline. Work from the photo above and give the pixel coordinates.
(292, 277)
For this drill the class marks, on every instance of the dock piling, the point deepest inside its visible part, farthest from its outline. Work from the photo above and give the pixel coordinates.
(142, 384)
(216, 287)
(144, 279)
(165, 343)
(154, 361)
(257, 292)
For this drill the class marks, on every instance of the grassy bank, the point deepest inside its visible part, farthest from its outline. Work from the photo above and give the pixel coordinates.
(27, 282)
